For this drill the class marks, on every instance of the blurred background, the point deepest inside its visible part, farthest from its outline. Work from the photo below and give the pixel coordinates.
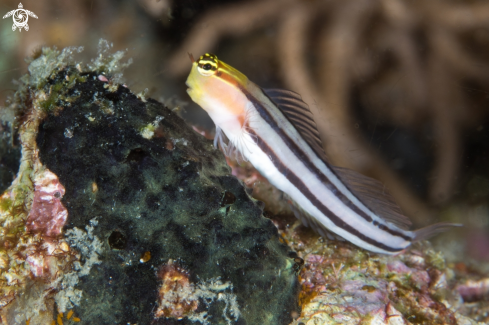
(399, 89)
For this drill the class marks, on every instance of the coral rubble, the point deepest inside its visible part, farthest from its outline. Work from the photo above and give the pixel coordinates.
(121, 213)
(342, 284)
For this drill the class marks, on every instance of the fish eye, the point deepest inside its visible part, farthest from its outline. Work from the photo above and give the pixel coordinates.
(207, 64)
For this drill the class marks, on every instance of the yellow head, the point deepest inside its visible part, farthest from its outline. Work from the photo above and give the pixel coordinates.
(215, 86)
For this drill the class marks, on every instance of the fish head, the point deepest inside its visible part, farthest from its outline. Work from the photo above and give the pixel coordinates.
(215, 86)
(201, 75)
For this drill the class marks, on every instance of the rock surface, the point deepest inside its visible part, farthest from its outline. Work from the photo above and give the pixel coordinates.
(120, 213)
(153, 185)
(9, 157)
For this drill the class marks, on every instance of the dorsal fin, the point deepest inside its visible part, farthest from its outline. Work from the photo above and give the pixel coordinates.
(369, 191)
(298, 113)
(374, 195)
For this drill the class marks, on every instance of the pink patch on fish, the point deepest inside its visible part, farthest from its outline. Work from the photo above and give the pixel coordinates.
(47, 214)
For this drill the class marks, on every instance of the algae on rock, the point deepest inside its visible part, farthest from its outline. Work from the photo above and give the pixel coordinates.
(342, 284)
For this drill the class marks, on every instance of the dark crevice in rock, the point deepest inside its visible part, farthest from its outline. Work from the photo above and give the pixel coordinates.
(9, 156)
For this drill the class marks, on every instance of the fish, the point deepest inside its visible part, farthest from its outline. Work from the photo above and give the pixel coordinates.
(275, 131)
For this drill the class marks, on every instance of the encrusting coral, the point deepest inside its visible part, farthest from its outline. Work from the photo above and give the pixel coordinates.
(31, 213)
(35, 254)
(344, 285)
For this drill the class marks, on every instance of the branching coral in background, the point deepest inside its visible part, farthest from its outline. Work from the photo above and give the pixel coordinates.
(327, 50)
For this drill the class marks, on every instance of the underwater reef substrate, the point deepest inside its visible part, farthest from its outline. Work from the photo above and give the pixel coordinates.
(127, 215)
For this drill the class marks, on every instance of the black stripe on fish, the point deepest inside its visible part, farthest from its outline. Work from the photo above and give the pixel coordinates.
(267, 117)
(297, 182)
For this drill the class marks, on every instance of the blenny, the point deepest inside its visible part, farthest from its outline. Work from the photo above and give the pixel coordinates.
(275, 130)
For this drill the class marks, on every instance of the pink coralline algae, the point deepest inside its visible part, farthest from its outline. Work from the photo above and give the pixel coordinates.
(47, 215)
(418, 277)
(344, 285)
(398, 267)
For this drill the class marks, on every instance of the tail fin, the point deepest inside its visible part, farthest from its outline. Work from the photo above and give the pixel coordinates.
(429, 231)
